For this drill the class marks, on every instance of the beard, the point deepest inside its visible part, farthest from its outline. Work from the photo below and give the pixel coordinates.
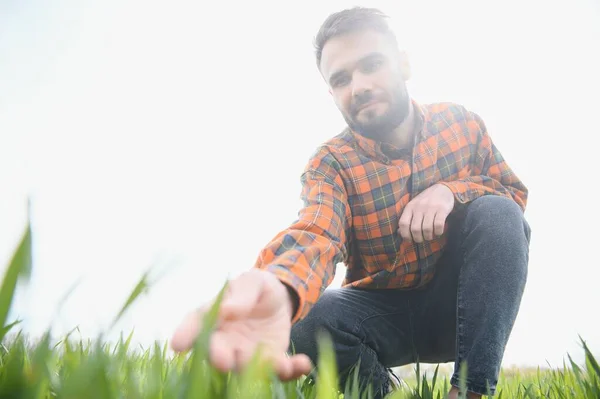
(379, 127)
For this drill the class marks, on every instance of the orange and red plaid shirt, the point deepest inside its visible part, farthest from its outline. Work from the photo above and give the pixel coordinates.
(354, 190)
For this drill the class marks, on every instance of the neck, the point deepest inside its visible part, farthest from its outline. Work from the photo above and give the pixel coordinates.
(402, 135)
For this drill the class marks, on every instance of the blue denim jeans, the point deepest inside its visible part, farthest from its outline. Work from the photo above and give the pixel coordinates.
(466, 313)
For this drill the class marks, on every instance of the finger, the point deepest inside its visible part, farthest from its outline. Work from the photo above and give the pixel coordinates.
(242, 295)
(291, 368)
(416, 227)
(185, 334)
(404, 223)
(245, 352)
(284, 368)
(427, 226)
(240, 298)
(221, 352)
(439, 223)
(301, 365)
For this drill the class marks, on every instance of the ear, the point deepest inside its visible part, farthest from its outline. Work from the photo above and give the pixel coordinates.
(326, 84)
(404, 65)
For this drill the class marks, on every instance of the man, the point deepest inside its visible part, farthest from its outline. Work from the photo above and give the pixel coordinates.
(422, 208)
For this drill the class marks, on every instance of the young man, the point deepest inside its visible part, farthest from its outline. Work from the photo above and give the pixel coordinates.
(422, 208)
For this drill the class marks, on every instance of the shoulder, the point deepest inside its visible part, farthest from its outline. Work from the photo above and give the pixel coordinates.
(333, 151)
(449, 111)
(331, 157)
(444, 115)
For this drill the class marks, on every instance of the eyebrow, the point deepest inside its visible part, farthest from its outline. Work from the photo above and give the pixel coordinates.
(370, 56)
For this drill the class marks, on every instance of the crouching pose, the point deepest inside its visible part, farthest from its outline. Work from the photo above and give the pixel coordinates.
(421, 207)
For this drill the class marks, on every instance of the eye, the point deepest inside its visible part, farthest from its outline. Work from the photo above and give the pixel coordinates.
(372, 65)
(340, 81)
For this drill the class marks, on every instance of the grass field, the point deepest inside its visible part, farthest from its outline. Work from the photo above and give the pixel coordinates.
(72, 368)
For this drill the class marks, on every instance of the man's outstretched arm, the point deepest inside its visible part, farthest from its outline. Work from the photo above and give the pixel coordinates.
(257, 309)
(304, 255)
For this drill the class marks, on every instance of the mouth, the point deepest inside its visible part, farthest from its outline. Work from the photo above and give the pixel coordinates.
(366, 106)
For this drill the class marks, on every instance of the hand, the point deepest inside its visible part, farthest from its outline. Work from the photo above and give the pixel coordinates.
(425, 215)
(256, 309)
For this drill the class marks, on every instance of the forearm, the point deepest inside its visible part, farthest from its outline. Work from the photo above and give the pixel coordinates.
(470, 188)
(304, 259)
(304, 255)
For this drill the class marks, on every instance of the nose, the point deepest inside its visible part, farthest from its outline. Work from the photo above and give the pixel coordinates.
(360, 84)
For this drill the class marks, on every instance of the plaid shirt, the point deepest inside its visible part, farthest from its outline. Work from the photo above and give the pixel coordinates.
(354, 190)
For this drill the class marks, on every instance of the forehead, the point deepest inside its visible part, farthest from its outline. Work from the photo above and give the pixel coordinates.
(344, 51)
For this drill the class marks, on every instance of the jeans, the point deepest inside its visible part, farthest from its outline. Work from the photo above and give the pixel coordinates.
(466, 313)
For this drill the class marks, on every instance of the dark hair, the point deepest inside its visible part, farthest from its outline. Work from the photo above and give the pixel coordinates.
(351, 20)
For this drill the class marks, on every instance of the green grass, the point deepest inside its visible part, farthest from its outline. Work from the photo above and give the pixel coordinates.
(73, 368)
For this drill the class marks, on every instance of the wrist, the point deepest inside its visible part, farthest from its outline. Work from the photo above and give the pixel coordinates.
(293, 301)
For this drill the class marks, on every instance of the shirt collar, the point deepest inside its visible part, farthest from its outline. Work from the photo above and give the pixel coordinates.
(378, 149)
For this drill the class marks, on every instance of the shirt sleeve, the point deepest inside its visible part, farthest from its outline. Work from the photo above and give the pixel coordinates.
(304, 255)
(491, 173)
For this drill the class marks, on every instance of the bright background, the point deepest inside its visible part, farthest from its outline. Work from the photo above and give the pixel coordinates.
(175, 133)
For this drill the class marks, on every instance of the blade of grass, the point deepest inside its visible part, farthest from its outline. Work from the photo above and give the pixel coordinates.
(463, 381)
(18, 268)
(435, 377)
(141, 287)
(4, 330)
(590, 360)
(39, 377)
(198, 378)
(327, 381)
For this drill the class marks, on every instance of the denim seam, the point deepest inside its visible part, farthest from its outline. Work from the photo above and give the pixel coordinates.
(362, 349)
(411, 326)
(363, 345)
(459, 301)
(360, 323)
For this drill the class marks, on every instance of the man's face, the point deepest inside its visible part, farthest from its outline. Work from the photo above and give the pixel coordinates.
(366, 77)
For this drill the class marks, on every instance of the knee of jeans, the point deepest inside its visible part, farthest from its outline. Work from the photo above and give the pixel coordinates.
(500, 214)
(322, 318)
(302, 338)
(501, 222)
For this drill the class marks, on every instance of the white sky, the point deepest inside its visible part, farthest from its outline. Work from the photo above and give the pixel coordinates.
(177, 131)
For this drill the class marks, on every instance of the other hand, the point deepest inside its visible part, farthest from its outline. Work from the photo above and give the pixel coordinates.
(425, 215)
